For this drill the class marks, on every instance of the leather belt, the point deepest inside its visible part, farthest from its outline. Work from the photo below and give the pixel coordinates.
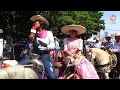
(44, 52)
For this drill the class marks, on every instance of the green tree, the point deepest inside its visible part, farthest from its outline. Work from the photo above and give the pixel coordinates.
(90, 19)
(18, 24)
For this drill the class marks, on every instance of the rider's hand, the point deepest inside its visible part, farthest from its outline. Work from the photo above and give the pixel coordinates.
(31, 36)
(110, 50)
(76, 56)
(37, 24)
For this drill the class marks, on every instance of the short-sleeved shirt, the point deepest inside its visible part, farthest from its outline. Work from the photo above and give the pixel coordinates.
(116, 47)
(109, 44)
(97, 45)
(73, 45)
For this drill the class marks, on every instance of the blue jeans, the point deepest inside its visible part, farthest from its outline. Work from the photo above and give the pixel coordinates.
(56, 51)
(27, 58)
(48, 64)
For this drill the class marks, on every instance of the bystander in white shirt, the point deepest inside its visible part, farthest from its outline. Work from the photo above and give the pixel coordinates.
(1, 48)
(97, 45)
(116, 47)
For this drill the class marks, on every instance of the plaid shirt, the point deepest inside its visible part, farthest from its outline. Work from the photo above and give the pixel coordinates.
(110, 45)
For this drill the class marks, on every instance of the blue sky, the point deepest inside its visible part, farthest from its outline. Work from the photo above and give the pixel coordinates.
(110, 27)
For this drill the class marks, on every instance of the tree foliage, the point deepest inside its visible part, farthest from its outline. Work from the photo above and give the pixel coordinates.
(18, 24)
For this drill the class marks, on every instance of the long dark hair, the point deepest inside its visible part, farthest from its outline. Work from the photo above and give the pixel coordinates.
(44, 26)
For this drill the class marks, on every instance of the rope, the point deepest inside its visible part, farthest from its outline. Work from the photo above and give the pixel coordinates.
(113, 58)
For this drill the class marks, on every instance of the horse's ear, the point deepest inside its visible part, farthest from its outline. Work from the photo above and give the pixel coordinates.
(90, 49)
(87, 47)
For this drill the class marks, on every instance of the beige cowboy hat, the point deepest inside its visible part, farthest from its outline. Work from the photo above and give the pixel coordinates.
(117, 34)
(107, 36)
(80, 29)
(40, 18)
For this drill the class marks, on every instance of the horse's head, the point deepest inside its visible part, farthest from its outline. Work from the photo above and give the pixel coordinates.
(89, 54)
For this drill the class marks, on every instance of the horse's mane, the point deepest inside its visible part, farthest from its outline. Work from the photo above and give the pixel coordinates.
(98, 51)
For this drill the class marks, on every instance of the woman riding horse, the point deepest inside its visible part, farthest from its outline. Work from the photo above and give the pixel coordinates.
(73, 48)
(44, 43)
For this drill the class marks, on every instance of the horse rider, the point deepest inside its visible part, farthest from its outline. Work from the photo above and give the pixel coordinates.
(73, 48)
(116, 50)
(108, 44)
(116, 47)
(43, 43)
(26, 54)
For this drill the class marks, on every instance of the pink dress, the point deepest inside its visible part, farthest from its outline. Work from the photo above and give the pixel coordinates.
(83, 67)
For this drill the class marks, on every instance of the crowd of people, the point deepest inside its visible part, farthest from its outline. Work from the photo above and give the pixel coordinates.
(110, 45)
(43, 42)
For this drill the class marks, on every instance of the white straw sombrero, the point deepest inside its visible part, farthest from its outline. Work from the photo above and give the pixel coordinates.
(107, 36)
(80, 29)
(117, 34)
(40, 18)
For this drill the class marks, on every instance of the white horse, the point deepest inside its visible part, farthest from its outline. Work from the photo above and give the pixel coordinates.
(31, 69)
(18, 72)
(102, 59)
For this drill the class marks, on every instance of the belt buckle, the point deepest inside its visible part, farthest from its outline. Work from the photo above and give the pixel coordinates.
(42, 51)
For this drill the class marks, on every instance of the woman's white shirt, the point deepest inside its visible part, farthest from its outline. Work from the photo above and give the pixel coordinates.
(49, 40)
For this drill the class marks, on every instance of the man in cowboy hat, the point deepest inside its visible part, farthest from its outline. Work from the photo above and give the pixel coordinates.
(43, 43)
(97, 43)
(116, 45)
(116, 51)
(108, 43)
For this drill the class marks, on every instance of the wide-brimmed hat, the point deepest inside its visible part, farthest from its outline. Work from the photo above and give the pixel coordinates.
(117, 34)
(107, 36)
(40, 18)
(80, 29)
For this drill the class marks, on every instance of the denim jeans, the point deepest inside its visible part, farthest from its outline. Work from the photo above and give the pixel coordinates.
(56, 51)
(27, 58)
(48, 64)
